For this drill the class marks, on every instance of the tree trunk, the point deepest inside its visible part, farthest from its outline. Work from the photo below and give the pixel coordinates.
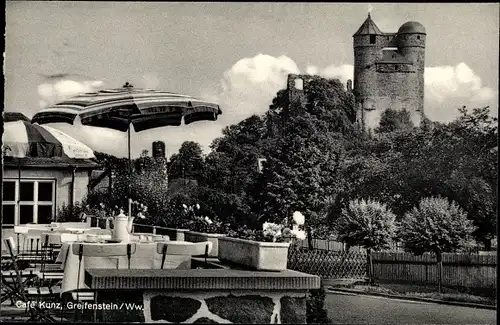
(309, 238)
(487, 244)
(369, 266)
(439, 257)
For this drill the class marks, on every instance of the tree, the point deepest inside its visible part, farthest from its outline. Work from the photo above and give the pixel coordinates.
(474, 181)
(457, 161)
(393, 120)
(188, 163)
(299, 174)
(369, 224)
(233, 160)
(437, 226)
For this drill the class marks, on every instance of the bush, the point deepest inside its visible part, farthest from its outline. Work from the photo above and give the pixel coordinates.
(315, 312)
(70, 213)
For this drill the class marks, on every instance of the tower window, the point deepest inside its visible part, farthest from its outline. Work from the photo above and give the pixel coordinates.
(418, 36)
(372, 39)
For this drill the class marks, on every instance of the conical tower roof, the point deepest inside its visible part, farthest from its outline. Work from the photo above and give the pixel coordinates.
(368, 28)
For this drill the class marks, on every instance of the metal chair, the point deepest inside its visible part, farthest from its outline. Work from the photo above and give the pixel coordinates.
(22, 289)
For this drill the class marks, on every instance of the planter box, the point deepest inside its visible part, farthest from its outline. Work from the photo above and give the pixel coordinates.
(257, 255)
(196, 237)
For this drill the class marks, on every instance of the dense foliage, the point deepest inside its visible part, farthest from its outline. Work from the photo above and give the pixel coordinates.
(438, 226)
(315, 307)
(368, 224)
(317, 161)
(435, 225)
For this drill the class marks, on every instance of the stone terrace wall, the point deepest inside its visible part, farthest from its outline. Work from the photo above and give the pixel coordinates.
(236, 307)
(201, 296)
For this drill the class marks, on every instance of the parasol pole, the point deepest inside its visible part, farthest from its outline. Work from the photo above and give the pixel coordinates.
(18, 191)
(129, 87)
(130, 169)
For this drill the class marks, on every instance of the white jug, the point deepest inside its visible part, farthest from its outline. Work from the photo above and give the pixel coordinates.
(122, 227)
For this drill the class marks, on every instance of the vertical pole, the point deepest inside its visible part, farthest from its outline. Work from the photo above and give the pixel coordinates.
(130, 169)
(18, 193)
(73, 172)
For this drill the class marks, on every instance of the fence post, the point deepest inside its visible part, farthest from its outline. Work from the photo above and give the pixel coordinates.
(154, 230)
(370, 266)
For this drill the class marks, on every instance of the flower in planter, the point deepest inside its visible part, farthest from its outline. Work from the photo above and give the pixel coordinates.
(299, 218)
(271, 231)
(299, 234)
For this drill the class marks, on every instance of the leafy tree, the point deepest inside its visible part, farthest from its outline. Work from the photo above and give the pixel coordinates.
(368, 224)
(437, 226)
(188, 163)
(299, 174)
(456, 160)
(474, 180)
(393, 120)
(233, 161)
(330, 103)
(302, 172)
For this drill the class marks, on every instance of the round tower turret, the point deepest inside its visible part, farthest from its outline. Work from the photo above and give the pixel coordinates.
(411, 43)
(368, 43)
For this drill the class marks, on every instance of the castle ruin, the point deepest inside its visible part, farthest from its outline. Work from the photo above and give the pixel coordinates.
(389, 71)
(388, 74)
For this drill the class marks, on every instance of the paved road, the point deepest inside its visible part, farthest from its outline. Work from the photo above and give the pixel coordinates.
(358, 309)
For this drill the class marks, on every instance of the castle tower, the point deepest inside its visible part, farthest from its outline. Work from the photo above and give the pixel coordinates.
(388, 71)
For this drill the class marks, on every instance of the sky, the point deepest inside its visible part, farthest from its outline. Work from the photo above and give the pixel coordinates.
(235, 54)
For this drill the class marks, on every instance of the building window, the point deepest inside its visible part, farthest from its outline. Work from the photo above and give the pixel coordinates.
(396, 67)
(418, 36)
(372, 39)
(30, 201)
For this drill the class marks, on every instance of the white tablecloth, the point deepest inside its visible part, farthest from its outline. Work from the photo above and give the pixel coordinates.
(145, 256)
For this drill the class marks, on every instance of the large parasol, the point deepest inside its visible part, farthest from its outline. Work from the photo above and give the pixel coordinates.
(120, 108)
(36, 145)
(25, 140)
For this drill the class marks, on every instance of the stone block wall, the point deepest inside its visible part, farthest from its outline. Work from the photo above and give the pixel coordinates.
(212, 295)
(214, 307)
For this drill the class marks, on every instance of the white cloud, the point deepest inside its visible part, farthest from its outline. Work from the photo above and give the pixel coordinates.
(342, 72)
(449, 87)
(59, 88)
(249, 86)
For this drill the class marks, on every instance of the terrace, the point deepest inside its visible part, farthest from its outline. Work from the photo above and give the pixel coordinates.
(160, 274)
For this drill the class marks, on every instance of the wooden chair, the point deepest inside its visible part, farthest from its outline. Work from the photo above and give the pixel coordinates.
(193, 249)
(203, 249)
(108, 250)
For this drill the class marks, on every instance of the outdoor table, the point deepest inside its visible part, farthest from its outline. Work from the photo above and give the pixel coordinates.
(146, 256)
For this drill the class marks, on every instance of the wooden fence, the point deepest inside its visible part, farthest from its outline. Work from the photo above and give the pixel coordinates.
(333, 245)
(464, 270)
(470, 270)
